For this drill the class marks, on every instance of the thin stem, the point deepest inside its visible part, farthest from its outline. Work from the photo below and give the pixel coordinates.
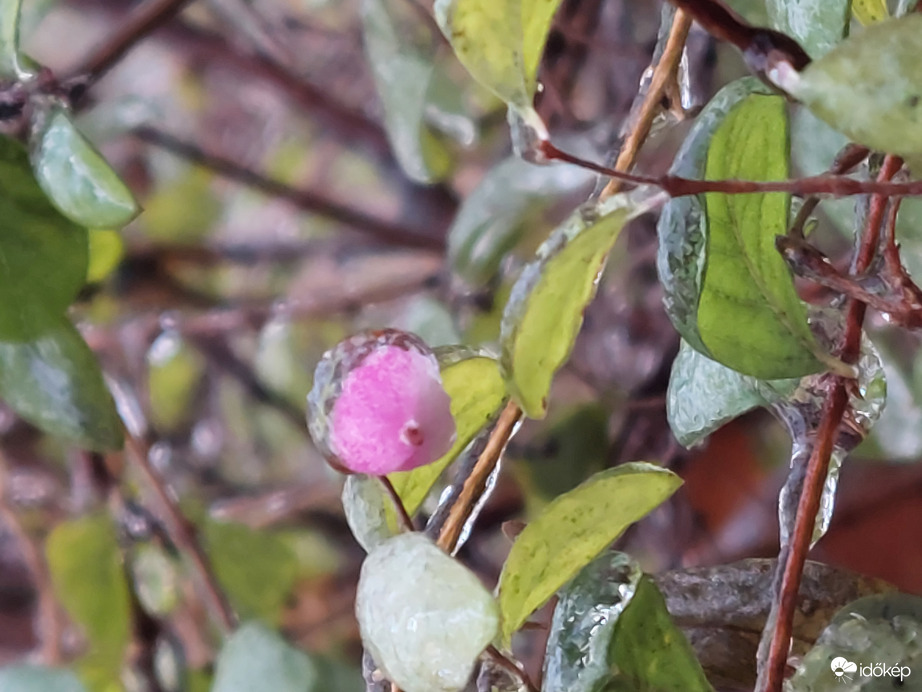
(183, 535)
(129, 33)
(663, 76)
(304, 199)
(474, 485)
(510, 666)
(793, 556)
(406, 521)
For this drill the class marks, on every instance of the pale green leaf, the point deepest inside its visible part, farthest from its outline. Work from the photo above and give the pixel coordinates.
(29, 678)
(369, 510)
(477, 391)
(572, 531)
(545, 310)
(256, 658)
(77, 179)
(869, 87)
(11, 62)
(749, 315)
(818, 25)
(55, 383)
(175, 371)
(424, 617)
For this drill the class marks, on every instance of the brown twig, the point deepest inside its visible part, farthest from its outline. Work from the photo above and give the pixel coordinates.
(406, 521)
(662, 77)
(474, 485)
(183, 535)
(510, 666)
(304, 199)
(793, 556)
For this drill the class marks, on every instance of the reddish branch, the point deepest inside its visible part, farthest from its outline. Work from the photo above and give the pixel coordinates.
(792, 557)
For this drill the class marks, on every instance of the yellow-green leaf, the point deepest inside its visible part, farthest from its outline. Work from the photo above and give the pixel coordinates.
(572, 531)
(105, 250)
(870, 11)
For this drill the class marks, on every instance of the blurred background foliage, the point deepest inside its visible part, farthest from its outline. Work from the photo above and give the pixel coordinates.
(287, 204)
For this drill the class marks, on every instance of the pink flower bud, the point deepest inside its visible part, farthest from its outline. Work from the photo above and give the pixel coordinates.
(378, 406)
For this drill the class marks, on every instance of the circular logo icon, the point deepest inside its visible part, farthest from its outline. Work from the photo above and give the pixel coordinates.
(840, 666)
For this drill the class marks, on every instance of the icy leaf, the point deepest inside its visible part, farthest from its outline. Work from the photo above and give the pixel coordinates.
(256, 568)
(749, 315)
(29, 678)
(572, 530)
(817, 25)
(493, 218)
(77, 179)
(682, 228)
(869, 87)
(88, 576)
(423, 616)
(55, 383)
(477, 390)
(545, 310)
(367, 507)
(11, 65)
(883, 630)
(703, 395)
(400, 52)
(870, 11)
(256, 658)
(500, 42)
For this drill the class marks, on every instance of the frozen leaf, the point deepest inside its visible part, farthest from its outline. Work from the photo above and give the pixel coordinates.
(256, 568)
(44, 255)
(89, 580)
(611, 631)
(545, 310)
(749, 315)
(869, 87)
(11, 63)
(424, 617)
(477, 391)
(872, 645)
(77, 179)
(703, 395)
(572, 530)
(378, 404)
(510, 197)
(367, 507)
(256, 658)
(500, 42)
(55, 383)
(29, 678)
(400, 52)
(817, 25)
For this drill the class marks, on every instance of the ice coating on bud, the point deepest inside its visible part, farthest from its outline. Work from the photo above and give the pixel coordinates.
(378, 404)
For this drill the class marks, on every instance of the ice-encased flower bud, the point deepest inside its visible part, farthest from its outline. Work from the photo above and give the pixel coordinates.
(378, 405)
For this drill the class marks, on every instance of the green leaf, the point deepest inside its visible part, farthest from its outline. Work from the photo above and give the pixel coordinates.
(545, 311)
(611, 632)
(77, 178)
(424, 617)
(256, 568)
(572, 531)
(256, 658)
(11, 65)
(870, 11)
(500, 42)
(703, 395)
(175, 372)
(369, 511)
(44, 256)
(869, 87)
(89, 580)
(106, 250)
(513, 196)
(401, 49)
(818, 25)
(29, 678)
(749, 315)
(55, 383)
(475, 385)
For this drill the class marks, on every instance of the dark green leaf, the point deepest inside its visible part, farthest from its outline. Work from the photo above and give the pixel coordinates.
(256, 658)
(818, 25)
(869, 87)
(749, 315)
(475, 385)
(54, 382)
(77, 178)
(28, 678)
(44, 255)
(545, 311)
(572, 531)
(256, 568)
(89, 580)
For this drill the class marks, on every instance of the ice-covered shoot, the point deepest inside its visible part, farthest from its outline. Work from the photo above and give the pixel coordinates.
(378, 405)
